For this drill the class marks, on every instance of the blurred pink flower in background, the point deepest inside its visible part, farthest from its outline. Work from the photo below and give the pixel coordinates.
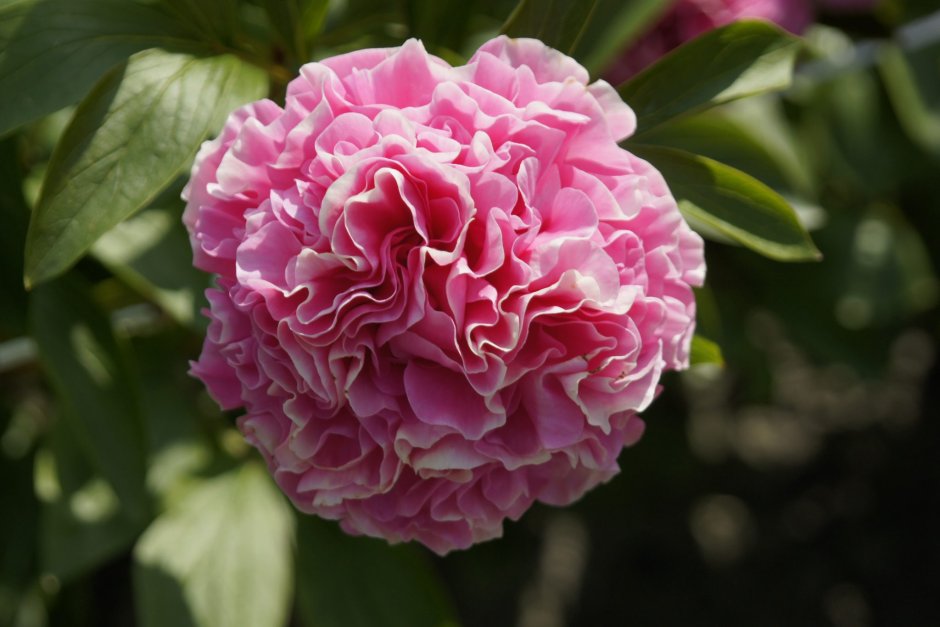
(442, 293)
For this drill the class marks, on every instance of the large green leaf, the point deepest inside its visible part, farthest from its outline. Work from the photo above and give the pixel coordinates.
(134, 133)
(362, 582)
(739, 60)
(94, 385)
(614, 26)
(219, 557)
(59, 48)
(558, 23)
(732, 203)
(12, 13)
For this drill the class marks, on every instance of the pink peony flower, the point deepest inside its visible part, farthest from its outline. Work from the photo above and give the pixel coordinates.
(687, 19)
(443, 292)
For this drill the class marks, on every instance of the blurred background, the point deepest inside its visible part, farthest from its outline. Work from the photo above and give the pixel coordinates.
(797, 484)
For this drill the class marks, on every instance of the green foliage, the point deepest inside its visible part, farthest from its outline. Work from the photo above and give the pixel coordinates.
(58, 49)
(705, 351)
(729, 136)
(558, 23)
(212, 21)
(150, 252)
(353, 582)
(614, 25)
(94, 385)
(84, 522)
(717, 197)
(736, 61)
(911, 78)
(297, 23)
(220, 556)
(137, 130)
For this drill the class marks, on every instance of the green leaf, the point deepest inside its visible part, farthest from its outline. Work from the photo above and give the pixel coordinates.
(725, 138)
(129, 139)
(614, 26)
(732, 203)
(151, 252)
(558, 23)
(60, 48)
(344, 581)
(93, 384)
(739, 60)
(12, 13)
(219, 557)
(704, 351)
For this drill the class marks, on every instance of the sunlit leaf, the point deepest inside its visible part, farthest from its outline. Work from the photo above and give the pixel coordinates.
(219, 557)
(732, 203)
(739, 60)
(94, 386)
(705, 351)
(558, 23)
(58, 49)
(344, 581)
(131, 137)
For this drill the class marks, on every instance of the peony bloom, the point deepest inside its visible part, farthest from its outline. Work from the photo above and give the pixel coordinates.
(687, 19)
(443, 293)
